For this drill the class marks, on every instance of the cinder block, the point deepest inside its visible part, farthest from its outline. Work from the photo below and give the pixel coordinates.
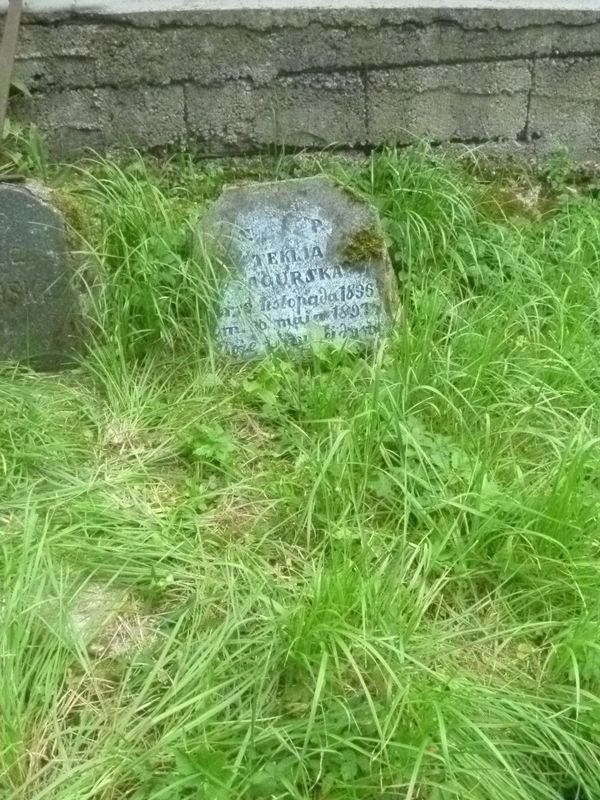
(565, 106)
(305, 111)
(60, 72)
(145, 117)
(466, 102)
(570, 78)
(295, 76)
(320, 110)
(67, 39)
(71, 120)
(205, 54)
(76, 119)
(132, 57)
(224, 118)
(226, 44)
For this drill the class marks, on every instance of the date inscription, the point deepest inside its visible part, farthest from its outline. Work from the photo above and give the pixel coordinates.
(298, 270)
(294, 295)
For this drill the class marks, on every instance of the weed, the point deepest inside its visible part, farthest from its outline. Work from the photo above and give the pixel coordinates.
(368, 574)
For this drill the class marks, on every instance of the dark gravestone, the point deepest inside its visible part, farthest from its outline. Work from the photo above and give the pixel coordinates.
(304, 260)
(38, 307)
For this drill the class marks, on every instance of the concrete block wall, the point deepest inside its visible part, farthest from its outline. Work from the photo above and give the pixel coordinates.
(241, 80)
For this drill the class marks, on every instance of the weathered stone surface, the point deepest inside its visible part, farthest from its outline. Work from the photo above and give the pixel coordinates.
(125, 60)
(223, 119)
(56, 41)
(303, 260)
(78, 119)
(64, 72)
(303, 111)
(144, 117)
(564, 105)
(71, 119)
(38, 304)
(467, 102)
(238, 79)
(202, 53)
(501, 15)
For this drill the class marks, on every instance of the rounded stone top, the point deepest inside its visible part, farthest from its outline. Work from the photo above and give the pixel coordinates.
(38, 304)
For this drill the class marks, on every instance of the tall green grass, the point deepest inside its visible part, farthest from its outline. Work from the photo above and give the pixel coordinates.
(368, 575)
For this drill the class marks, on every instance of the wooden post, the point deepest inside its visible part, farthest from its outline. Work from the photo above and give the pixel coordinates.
(8, 49)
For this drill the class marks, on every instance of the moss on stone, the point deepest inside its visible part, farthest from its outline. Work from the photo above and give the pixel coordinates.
(81, 226)
(81, 223)
(364, 246)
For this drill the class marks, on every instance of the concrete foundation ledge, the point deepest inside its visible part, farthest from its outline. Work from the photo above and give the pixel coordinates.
(229, 77)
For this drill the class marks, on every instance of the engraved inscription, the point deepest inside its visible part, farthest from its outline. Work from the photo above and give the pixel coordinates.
(289, 283)
(18, 290)
(294, 293)
(13, 253)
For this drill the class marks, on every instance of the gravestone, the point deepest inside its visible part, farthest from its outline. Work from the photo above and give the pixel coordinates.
(38, 308)
(303, 260)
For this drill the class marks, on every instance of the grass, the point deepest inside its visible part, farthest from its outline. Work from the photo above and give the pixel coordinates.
(352, 577)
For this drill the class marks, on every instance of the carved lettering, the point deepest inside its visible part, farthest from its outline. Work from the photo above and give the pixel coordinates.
(288, 255)
(315, 224)
(15, 257)
(19, 290)
(294, 282)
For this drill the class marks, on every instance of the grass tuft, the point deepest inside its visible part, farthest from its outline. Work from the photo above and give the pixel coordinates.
(351, 577)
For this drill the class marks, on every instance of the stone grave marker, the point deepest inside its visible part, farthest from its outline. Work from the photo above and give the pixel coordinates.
(38, 306)
(304, 260)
